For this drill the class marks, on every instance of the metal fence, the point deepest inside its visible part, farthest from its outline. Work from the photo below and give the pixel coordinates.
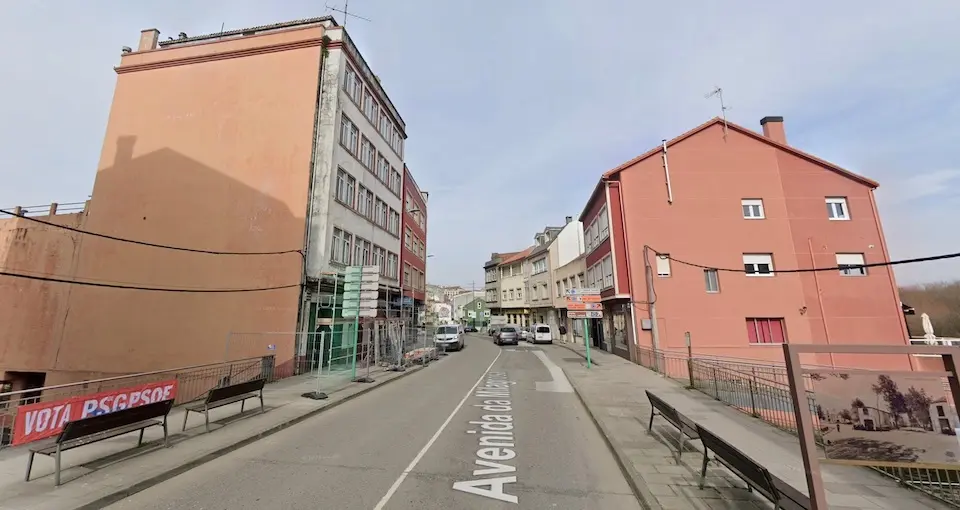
(193, 382)
(762, 391)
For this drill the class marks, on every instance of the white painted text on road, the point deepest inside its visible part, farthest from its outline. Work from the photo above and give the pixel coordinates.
(496, 441)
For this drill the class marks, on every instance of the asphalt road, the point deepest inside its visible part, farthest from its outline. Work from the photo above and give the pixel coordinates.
(411, 445)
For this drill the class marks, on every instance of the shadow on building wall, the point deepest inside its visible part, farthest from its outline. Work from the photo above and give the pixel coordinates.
(165, 197)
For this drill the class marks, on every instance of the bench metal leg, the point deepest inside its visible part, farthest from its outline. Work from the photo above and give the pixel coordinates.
(140, 440)
(164, 431)
(682, 442)
(261, 402)
(186, 412)
(29, 466)
(242, 403)
(206, 418)
(56, 473)
(653, 412)
(703, 470)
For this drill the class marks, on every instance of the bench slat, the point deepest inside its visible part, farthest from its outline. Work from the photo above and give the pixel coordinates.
(50, 448)
(200, 406)
(738, 462)
(93, 425)
(233, 390)
(790, 498)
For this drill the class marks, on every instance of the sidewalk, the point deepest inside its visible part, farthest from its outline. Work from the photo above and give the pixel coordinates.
(613, 392)
(110, 470)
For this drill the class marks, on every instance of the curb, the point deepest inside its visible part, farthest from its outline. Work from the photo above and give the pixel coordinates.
(634, 480)
(109, 499)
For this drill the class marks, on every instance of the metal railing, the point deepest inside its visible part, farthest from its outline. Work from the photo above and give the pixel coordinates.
(762, 391)
(44, 210)
(193, 382)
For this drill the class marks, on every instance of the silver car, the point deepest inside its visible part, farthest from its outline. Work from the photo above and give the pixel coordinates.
(507, 335)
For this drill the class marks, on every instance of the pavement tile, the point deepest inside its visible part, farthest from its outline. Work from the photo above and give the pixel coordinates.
(681, 503)
(661, 489)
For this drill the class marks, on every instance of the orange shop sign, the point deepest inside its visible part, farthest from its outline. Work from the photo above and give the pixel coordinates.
(46, 419)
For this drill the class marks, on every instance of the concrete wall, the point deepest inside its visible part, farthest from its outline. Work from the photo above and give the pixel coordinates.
(223, 167)
(569, 243)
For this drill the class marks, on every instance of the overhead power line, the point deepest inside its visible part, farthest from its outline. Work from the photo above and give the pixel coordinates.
(137, 287)
(145, 243)
(813, 269)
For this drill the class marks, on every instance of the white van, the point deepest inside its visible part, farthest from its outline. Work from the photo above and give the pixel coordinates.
(541, 334)
(448, 337)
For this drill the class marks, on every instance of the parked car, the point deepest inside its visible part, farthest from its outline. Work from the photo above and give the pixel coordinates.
(542, 334)
(492, 330)
(448, 337)
(470, 329)
(526, 333)
(508, 334)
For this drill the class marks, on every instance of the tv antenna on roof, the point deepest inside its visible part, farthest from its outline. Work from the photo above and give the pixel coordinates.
(717, 91)
(346, 12)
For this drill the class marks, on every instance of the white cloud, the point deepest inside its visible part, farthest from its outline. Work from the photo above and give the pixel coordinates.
(514, 109)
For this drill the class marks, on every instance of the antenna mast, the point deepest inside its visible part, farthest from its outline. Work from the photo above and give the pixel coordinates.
(346, 12)
(717, 91)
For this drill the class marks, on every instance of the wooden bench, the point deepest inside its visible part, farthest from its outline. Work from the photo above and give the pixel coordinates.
(225, 395)
(98, 428)
(685, 426)
(781, 494)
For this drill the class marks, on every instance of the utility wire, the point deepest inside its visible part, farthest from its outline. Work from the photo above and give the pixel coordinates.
(136, 287)
(815, 269)
(145, 243)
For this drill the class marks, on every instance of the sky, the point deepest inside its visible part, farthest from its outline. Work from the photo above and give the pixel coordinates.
(514, 109)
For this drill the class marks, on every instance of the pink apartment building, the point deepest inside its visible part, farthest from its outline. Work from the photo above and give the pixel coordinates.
(726, 197)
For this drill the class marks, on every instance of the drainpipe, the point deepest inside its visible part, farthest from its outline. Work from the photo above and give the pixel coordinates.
(651, 300)
(816, 281)
(666, 172)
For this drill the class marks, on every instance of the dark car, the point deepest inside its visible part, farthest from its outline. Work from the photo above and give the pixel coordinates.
(507, 335)
(469, 329)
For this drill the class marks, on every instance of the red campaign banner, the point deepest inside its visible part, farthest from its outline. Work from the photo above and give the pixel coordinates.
(46, 419)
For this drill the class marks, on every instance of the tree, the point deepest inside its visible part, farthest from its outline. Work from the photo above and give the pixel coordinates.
(896, 403)
(918, 406)
(855, 406)
(820, 414)
(845, 415)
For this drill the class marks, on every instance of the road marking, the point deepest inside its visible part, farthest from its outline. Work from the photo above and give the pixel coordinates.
(403, 476)
(559, 384)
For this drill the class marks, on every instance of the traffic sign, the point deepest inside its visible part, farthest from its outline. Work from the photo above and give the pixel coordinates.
(584, 306)
(362, 312)
(588, 298)
(589, 314)
(585, 291)
(361, 286)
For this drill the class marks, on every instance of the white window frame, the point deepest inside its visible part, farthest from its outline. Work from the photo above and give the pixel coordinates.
(607, 276)
(707, 273)
(757, 259)
(751, 204)
(367, 152)
(349, 134)
(832, 208)
(340, 246)
(346, 188)
(851, 259)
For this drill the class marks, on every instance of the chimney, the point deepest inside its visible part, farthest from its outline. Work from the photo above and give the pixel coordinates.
(569, 219)
(148, 39)
(773, 129)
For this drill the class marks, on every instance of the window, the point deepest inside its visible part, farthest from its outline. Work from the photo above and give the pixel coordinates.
(406, 242)
(406, 275)
(539, 266)
(663, 264)
(364, 202)
(759, 264)
(408, 201)
(370, 107)
(395, 181)
(752, 208)
(349, 135)
(384, 126)
(379, 259)
(559, 290)
(837, 208)
(851, 264)
(519, 294)
(380, 214)
(392, 265)
(358, 259)
(711, 280)
(340, 248)
(365, 254)
(766, 331)
(352, 84)
(383, 168)
(394, 222)
(367, 153)
(346, 185)
(603, 223)
(504, 295)
(607, 266)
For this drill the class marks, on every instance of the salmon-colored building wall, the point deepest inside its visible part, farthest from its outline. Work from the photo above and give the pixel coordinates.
(32, 311)
(409, 221)
(709, 176)
(208, 146)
